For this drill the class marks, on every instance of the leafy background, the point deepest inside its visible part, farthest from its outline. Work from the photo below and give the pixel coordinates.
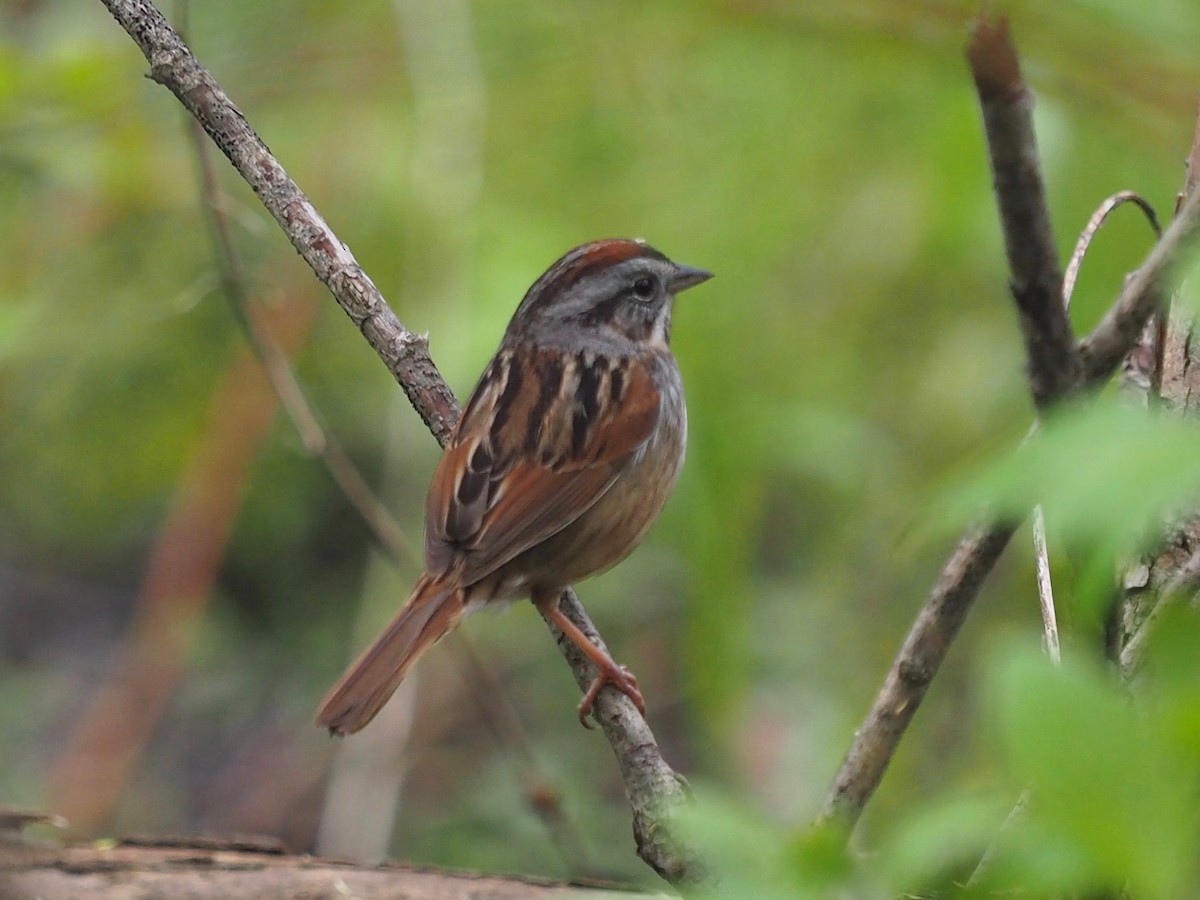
(853, 366)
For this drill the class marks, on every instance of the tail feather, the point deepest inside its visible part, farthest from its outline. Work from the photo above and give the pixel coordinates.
(431, 611)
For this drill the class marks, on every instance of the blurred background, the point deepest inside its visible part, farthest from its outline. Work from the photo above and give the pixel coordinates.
(180, 581)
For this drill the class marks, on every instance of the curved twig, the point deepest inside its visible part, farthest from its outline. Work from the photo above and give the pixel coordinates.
(1092, 228)
(1120, 328)
(1070, 276)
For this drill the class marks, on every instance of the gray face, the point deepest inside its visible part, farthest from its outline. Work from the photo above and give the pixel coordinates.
(606, 291)
(632, 299)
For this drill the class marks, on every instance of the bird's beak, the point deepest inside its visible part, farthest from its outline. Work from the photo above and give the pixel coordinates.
(686, 277)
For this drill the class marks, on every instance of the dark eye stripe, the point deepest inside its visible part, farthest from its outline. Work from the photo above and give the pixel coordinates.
(578, 264)
(604, 311)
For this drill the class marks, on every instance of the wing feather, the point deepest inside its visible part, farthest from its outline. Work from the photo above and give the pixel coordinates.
(522, 465)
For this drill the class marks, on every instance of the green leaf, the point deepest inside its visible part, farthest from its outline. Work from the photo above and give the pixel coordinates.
(1110, 790)
(1104, 471)
(944, 839)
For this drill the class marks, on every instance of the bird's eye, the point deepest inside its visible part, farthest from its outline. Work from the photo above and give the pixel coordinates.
(645, 287)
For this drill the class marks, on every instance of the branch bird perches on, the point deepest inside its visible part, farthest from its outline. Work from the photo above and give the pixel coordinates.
(654, 789)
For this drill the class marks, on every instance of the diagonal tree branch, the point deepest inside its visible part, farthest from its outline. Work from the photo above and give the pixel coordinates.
(654, 789)
(1036, 280)
(918, 661)
(1055, 372)
(1054, 369)
(544, 799)
(405, 354)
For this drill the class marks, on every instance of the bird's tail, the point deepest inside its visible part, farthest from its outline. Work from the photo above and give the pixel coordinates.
(431, 611)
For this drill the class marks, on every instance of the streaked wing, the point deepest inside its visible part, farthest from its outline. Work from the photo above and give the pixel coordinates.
(523, 465)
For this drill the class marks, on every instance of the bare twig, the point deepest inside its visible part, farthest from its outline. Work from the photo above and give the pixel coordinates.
(1045, 586)
(1052, 369)
(917, 662)
(282, 376)
(1037, 281)
(1092, 228)
(354, 832)
(405, 354)
(654, 789)
(1108, 343)
(1146, 356)
(1040, 548)
(1192, 179)
(1014, 817)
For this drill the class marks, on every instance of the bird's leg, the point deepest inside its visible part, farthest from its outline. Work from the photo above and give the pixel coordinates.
(609, 672)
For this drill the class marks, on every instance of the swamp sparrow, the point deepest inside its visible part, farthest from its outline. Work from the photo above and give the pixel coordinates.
(563, 458)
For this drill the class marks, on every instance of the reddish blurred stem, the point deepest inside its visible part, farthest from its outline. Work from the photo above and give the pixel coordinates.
(113, 730)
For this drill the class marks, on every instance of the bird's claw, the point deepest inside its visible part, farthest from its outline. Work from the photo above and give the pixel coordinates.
(620, 678)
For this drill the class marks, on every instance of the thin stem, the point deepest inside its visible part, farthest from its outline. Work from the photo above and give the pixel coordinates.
(1045, 588)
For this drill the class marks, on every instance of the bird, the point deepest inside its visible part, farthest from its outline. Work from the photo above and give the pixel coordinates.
(564, 456)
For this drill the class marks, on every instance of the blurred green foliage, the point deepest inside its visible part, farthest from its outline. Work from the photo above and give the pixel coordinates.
(854, 382)
(1106, 793)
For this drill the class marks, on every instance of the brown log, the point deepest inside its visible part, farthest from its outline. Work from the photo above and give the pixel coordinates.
(245, 867)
